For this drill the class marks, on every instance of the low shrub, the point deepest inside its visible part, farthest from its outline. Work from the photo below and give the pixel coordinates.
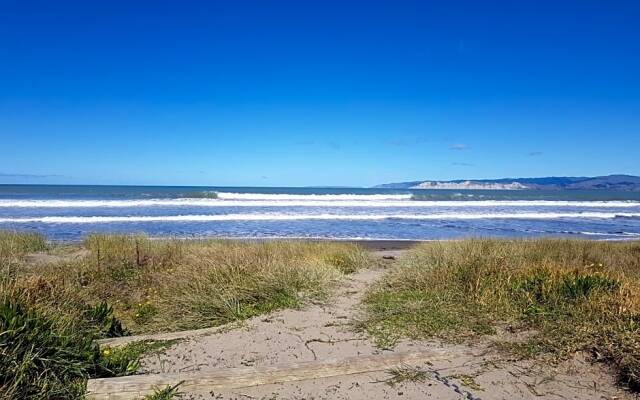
(106, 324)
(45, 356)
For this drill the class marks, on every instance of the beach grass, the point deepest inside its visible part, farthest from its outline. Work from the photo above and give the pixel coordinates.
(14, 245)
(51, 314)
(567, 295)
(166, 285)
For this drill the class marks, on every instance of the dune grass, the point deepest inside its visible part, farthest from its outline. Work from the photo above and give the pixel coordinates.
(51, 314)
(14, 245)
(568, 295)
(165, 285)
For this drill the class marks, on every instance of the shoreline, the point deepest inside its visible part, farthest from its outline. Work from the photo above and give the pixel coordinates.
(372, 244)
(368, 244)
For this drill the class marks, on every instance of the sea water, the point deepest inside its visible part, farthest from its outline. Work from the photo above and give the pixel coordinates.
(72, 212)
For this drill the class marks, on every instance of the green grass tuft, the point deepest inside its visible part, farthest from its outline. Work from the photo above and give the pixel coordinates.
(406, 373)
(14, 246)
(166, 393)
(125, 360)
(107, 325)
(46, 356)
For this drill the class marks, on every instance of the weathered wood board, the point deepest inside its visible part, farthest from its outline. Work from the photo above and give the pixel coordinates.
(137, 386)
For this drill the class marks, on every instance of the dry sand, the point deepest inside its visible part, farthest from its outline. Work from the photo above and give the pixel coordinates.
(322, 331)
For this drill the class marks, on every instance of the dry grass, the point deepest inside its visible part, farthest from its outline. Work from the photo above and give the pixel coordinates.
(51, 314)
(405, 373)
(162, 285)
(575, 296)
(13, 246)
(16, 244)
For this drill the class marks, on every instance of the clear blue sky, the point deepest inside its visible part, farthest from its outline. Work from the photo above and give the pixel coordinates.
(300, 93)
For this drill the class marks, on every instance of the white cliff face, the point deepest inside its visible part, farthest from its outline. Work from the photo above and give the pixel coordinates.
(469, 185)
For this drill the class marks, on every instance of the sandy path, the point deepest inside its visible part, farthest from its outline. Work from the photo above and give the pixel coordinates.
(322, 331)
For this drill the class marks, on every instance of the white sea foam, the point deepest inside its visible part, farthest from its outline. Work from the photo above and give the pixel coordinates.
(309, 201)
(295, 217)
(312, 197)
(609, 234)
(619, 234)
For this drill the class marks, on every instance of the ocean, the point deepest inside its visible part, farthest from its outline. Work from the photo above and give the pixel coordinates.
(69, 213)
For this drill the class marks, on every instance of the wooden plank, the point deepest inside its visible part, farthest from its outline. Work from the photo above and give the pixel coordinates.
(120, 341)
(137, 386)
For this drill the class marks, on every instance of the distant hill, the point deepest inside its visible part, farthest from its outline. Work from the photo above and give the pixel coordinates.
(609, 182)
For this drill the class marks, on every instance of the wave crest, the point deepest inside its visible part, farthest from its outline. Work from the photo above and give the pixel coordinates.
(312, 197)
(295, 217)
(307, 201)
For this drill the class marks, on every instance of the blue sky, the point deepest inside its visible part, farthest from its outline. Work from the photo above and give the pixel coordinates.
(278, 93)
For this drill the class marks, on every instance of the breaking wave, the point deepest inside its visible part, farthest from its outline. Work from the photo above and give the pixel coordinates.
(295, 217)
(264, 200)
(312, 197)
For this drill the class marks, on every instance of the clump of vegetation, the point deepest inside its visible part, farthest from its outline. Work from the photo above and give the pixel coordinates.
(49, 356)
(573, 295)
(14, 246)
(107, 325)
(166, 393)
(127, 358)
(405, 373)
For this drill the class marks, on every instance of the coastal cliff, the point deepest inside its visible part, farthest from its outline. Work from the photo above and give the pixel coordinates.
(609, 182)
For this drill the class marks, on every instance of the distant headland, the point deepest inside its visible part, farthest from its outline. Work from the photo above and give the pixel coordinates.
(609, 182)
